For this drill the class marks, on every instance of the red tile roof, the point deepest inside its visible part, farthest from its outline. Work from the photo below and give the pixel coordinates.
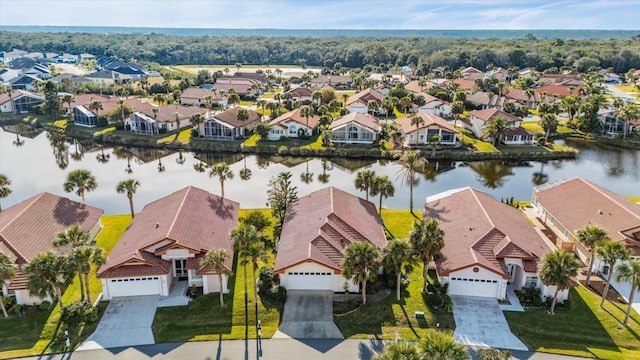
(230, 117)
(365, 96)
(199, 93)
(189, 218)
(365, 120)
(487, 114)
(295, 116)
(415, 87)
(165, 113)
(320, 225)
(430, 120)
(481, 231)
(558, 90)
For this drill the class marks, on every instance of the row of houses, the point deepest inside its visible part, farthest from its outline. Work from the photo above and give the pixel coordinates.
(489, 246)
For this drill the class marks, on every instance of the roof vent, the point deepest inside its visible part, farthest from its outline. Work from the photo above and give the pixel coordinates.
(600, 212)
(157, 225)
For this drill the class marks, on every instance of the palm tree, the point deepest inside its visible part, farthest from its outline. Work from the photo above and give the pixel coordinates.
(81, 181)
(570, 104)
(96, 106)
(549, 123)
(76, 237)
(411, 162)
(128, 187)
(102, 157)
(7, 272)
(372, 106)
(307, 111)
(176, 118)
(215, 260)
(68, 99)
(364, 181)
(399, 350)
(261, 104)
(159, 99)
(591, 236)
(209, 101)
(306, 177)
(417, 121)
(630, 272)
(629, 112)
(245, 173)
(360, 264)
(457, 108)
(81, 259)
(398, 257)
(345, 97)
(426, 239)
(610, 252)
(244, 235)
(5, 190)
(495, 128)
(383, 186)
(555, 269)
(438, 345)
(47, 273)
(223, 172)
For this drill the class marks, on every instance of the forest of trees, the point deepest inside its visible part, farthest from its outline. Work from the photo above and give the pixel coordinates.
(419, 53)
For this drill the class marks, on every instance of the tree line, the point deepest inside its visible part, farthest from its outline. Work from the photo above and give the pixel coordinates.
(420, 53)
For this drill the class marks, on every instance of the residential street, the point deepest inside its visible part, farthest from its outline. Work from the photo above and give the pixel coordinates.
(277, 349)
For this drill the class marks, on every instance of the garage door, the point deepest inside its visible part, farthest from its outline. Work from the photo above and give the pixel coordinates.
(473, 287)
(134, 286)
(309, 280)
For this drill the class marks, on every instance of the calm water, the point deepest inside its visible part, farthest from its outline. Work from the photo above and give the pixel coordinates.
(34, 166)
(349, 33)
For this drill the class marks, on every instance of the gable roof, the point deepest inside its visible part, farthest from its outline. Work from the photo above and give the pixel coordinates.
(199, 93)
(21, 63)
(365, 96)
(190, 218)
(319, 226)
(4, 97)
(481, 231)
(487, 114)
(365, 120)
(430, 120)
(415, 87)
(301, 91)
(485, 98)
(29, 227)
(295, 116)
(230, 117)
(576, 203)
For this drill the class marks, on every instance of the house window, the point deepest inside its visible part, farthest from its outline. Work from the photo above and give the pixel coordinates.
(514, 138)
(195, 276)
(447, 137)
(552, 220)
(353, 133)
(411, 136)
(293, 130)
(531, 281)
(421, 137)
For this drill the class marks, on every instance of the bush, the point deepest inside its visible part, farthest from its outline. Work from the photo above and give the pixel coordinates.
(266, 280)
(279, 294)
(162, 131)
(435, 300)
(493, 354)
(8, 301)
(530, 297)
(14, 309)
(76, 314)
(44, 306)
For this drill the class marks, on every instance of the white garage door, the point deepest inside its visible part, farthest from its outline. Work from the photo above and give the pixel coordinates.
(134, 286)
(309, 280)
(473, 287)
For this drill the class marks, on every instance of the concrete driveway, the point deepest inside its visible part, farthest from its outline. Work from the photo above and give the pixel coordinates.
(126, 322)
(480, 322)
(308, 315)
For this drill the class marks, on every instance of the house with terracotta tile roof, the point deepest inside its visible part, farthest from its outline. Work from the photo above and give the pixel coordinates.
(487, 100)
(340, 82)
(463, 84)
(433, 105)
(84, 116)
(360, 101)
(414, 87)
(488, 245)
(355, 128)
(301, 94)
(292, 125)
(148, 123)
(226, 126)
(515, 135)
(431, 126)
(193, 96)
(471, 73)
(166, 242)
(29, 228)
(317, 229)
(570, 205)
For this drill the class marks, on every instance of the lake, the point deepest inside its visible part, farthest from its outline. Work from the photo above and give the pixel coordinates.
(33, 167)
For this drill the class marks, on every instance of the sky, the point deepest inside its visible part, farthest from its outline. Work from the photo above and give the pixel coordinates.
(328, 14)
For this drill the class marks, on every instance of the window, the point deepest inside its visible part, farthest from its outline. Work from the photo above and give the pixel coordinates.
(421, 137)
(411, 136)
(353, 133)
(293, 130)
(531, 281)
(552, 220)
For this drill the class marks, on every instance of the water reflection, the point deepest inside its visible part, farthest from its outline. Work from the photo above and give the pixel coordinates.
(616, 170)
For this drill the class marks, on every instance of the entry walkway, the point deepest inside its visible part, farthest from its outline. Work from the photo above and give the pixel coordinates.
(177, 295)
(514, 302)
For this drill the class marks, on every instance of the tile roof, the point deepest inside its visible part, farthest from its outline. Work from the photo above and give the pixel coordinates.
(415, 87)
(301, 91)
(430, 120)
(558, 90)
(576, 203)
(165, 113)
(190, 218)
(365, 96)
(320, 225)
(464, 84)
(295, 116)
(365, 120)
(481, 231)
(487, 114)
(332, 79)
(230, 116)
(199, 93)
(514, 131)
(484, 98)
(4, 97)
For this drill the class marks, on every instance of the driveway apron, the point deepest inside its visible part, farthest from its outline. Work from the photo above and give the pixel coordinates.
(126, 322)
(480, 322)
(308, 315)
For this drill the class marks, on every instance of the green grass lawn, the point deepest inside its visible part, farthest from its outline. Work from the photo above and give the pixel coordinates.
(184, 137)
(481, 146)
(582, 330)
(105, 130)
(635, 199)
(36, 333)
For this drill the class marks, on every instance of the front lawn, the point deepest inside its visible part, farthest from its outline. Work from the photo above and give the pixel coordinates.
(184, 137)
(34, 334)
(582, 330)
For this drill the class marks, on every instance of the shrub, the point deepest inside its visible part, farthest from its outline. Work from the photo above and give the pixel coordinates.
(435, 300)
(162, 131)
(493, 354)
(8, 301)
(44, 306)
(266, 280)
(76, 314)
(530, 297)
(14, 309)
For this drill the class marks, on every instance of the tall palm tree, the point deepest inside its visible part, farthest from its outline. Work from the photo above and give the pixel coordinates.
(629, 112)
(630, 272)
(75, 237)
(417, 121)
(7, 272)
(556, 269)
(223, 172)
(360, 264)
(549, 123)
(426, 239)
(129, 187)
(215, 259)
(591, 236)
(438, 345)
(307, 112)
(81, 181)
(5, 190)
(398, 258)
(611, 252)
(495, 128)
(364, 181)
(47, 274)
(96, 106)
(243, 236)
(570, 104)
(411, 162)
(382, 186)
(399, 350)
(68, 99)
(372, 106)
(81, 259)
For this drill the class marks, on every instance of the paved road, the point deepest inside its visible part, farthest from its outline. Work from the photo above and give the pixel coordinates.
(278, 349)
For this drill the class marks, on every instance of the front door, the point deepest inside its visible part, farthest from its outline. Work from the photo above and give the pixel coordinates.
(180, 267)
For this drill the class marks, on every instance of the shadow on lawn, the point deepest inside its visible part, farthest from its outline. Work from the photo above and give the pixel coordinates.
(22, 332)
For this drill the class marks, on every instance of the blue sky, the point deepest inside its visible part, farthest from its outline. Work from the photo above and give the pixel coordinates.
(328, 14)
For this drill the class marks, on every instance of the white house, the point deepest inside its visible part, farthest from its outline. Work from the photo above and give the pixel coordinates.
(292, 124)
(516, 135)
(360, 101)
(435, 106)
(430, 126)
(166, 242)
(355, 128)
(488, 245)
(226, 125)
(316, 230)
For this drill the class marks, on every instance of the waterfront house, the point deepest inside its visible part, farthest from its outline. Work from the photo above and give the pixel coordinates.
(226, 125)
(292, 125)
(360, 101)
(355, 128)
(19, 101)
(148, 122)
(430, 126)
(516, 135)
